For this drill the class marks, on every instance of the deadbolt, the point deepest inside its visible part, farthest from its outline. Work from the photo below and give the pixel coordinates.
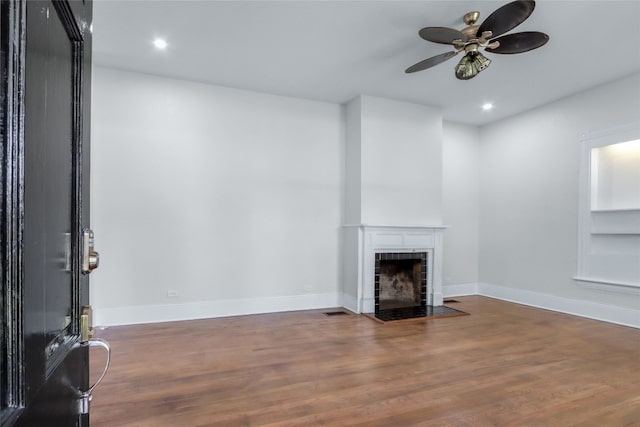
(90, 258)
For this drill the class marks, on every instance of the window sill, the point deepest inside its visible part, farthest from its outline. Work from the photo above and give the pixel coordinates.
(615, 210)
(609, 285)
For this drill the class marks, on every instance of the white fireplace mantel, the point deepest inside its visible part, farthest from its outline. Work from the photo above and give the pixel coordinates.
(368, 240)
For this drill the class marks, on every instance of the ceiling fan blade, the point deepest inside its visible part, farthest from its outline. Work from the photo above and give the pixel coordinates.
(430, 62)
(507, 17)
(520, 42)
(441, 35)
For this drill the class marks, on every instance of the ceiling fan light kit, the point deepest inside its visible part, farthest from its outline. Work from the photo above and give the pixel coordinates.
(488, 36)
(470, 65)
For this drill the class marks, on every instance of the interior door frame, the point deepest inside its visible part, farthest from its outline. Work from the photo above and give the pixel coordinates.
(13, 26)
(13, 29)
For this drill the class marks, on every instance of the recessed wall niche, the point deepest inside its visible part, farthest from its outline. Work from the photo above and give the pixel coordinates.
(615, 176)
(609, 209)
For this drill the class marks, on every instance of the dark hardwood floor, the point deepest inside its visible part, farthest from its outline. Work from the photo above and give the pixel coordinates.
(503, 365)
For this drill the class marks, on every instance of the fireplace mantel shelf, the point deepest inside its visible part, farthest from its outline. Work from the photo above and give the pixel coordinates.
(372, 226)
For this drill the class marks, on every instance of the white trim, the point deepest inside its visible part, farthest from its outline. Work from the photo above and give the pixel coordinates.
(459, 289)
(586, 267)
(131, 315)
(591, 310)
(360, 273)
(399, 227)
(616, 210)
(602, 285)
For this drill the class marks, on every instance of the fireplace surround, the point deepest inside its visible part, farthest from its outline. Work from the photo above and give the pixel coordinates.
(364, 242)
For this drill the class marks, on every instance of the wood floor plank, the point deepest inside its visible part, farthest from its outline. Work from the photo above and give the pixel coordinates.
(503, 365)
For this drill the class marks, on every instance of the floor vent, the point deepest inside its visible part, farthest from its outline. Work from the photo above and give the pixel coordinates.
(336, 313)
(449, 301)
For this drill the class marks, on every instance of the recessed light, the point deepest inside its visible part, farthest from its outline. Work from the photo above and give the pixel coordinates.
(487, 106)
(160, 44)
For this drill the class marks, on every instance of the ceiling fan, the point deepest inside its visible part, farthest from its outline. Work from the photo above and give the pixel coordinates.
(488, 36)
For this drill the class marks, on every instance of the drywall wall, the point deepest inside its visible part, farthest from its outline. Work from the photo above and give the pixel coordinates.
(401, 163)
(353, 161)
(394, 163)
(229, 199)
(460, 190)
(234, 200)
(529, 193)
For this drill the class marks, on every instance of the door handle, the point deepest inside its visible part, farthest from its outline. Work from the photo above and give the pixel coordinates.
(85, 396)
(90, 258)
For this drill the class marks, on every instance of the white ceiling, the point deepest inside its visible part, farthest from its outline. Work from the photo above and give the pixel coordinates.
(335, 50)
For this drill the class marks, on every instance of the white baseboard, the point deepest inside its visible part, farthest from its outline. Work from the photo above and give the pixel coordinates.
(591, 310)
(459, 289)
(113, 316)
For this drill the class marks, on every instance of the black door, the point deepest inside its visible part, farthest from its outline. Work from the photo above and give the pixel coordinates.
(46, 57)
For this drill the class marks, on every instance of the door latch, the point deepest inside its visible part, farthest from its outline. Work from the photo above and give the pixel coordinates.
(90, 258)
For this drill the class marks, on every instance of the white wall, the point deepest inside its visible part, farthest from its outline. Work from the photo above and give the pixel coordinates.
(460, 190)
(232, 199)
(235, 199)
(353, 161)
(401, 163)
(529, 193)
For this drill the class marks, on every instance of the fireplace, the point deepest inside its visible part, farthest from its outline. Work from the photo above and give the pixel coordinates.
(400, 280)
(367, 245)
(400, 285)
